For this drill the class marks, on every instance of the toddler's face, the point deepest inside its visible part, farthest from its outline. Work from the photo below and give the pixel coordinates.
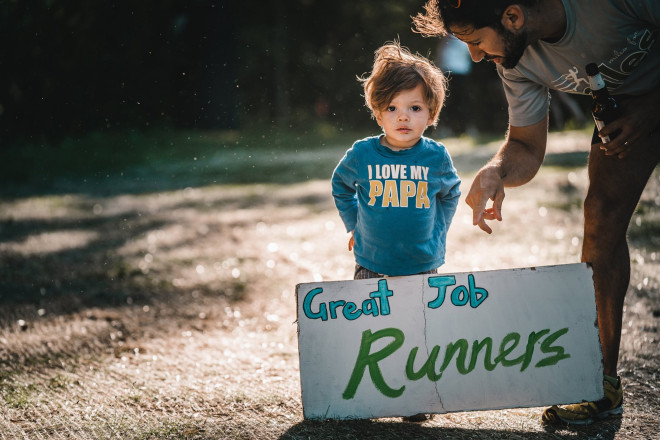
(405, 119)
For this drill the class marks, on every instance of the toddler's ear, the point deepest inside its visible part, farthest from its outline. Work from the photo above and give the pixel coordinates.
(379, 118)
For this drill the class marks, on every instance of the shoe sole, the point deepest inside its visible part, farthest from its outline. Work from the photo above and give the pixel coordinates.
(600, 416)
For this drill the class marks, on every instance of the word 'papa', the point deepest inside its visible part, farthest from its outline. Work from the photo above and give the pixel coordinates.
(393, 185)
(378, 301)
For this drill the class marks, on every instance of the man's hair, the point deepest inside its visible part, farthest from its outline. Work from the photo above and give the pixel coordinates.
(441, 15)
(396, 69)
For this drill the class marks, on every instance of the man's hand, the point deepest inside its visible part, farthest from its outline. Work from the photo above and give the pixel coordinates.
(639, 118)
(516, 163)
(351, 242)
(486, 185)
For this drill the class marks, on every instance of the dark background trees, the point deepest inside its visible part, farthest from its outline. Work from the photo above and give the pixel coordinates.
(71, 67)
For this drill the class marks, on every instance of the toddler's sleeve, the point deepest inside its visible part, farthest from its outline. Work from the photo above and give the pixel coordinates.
(344, 190)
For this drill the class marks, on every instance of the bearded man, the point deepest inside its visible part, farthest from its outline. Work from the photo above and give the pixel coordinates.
(539, 45)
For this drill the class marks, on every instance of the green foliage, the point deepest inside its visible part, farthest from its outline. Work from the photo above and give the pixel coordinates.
(81, 67)
(308, 54)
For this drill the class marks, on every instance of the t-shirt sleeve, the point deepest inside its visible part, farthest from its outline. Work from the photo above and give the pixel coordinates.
(448, 198)
(344, 189)
(528, 101)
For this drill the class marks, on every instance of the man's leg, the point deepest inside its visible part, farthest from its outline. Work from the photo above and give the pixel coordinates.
(615, 187)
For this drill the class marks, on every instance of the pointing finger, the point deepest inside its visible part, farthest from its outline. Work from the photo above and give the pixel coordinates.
(484, 226)
(497, 205)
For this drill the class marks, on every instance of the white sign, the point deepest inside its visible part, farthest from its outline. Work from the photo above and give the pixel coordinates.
(449, 342)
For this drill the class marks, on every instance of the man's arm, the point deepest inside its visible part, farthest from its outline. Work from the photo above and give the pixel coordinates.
(516, 163)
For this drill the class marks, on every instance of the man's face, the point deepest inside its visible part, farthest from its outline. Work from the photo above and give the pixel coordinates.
(500, 45)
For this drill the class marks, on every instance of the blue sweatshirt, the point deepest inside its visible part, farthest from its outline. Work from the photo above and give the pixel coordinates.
(398, 203)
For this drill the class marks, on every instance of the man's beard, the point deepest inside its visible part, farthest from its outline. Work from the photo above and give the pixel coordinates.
(514, 47)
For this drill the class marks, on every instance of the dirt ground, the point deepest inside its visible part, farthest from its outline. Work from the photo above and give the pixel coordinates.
(171, 315)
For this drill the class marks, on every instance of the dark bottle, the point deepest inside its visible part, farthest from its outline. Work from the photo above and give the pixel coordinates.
(604, 107)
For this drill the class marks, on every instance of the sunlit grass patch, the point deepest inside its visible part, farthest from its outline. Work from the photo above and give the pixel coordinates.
(18, 396)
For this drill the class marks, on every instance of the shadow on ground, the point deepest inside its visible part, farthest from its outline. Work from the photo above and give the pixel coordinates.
(366, 429)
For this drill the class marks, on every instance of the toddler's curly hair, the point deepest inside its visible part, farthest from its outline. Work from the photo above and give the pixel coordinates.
(396, 69)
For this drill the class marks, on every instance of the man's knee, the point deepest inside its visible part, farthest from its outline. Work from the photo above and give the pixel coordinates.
(605, 229)
(607, 213)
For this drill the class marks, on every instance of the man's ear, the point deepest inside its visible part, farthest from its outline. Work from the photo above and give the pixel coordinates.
(513, 18)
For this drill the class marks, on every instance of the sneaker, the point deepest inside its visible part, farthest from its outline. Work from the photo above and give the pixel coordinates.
(586, 413)
(418, 418)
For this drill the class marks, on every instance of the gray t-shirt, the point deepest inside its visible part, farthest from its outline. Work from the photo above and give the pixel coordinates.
(620, 36)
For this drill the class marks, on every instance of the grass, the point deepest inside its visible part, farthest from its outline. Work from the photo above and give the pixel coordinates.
(146, 161)
(163, 308)
(156, 160)
(18, 396)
